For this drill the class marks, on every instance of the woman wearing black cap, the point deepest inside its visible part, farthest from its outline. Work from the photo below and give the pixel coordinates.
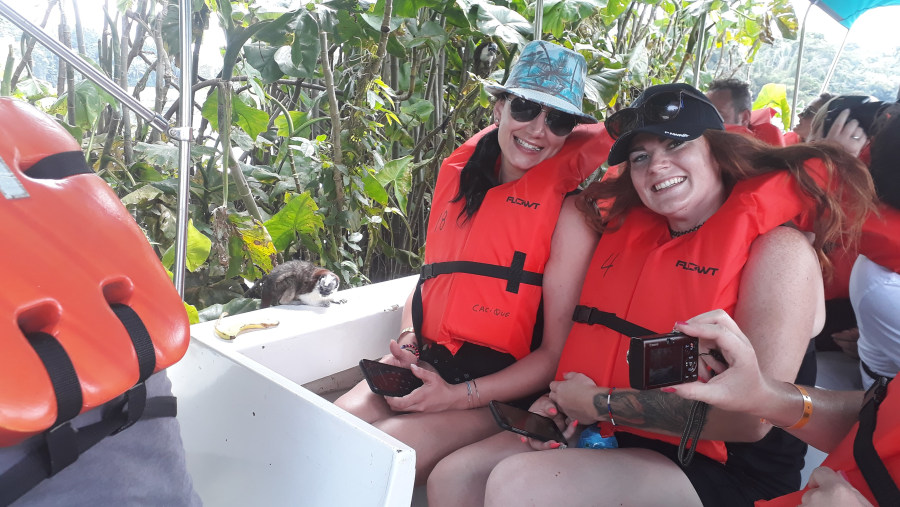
(690, 225)
(472, 329)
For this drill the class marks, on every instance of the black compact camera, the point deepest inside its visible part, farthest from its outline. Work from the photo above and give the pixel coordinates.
(662, 360)
(862, 108)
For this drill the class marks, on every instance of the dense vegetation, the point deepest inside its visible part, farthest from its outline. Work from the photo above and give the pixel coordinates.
(321, 136)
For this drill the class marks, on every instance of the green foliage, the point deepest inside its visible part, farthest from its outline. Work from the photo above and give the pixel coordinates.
(322, 137)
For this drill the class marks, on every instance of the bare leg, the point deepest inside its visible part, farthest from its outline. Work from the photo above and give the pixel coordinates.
(460, 478)
(589, 477)
(363, 403)
(434, 435)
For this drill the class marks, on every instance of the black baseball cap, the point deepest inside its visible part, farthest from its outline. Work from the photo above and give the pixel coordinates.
(695, 115)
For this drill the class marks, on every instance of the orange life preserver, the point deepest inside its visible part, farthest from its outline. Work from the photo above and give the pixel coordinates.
(73, 259)
(765, 132)
(513, 226)
(642, 275)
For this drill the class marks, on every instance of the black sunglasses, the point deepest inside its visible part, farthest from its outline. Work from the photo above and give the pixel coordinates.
(524, 110)
(659, 108)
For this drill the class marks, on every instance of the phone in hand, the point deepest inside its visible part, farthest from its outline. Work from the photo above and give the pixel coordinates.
(526, 423)
(387, 379)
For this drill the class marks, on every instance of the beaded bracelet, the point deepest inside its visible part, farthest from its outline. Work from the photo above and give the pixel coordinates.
(412, 347)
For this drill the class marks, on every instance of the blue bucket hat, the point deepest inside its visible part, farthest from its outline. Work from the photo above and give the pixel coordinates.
(550, 75)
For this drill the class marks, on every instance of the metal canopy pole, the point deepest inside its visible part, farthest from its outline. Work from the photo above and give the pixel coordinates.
(538, 19)
(185, 137)
(154, 120)
(834, 63)
(799, 64)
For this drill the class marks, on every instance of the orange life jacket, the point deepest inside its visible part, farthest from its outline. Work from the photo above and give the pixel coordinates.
(642, 275)
(512, 228)
(72, 260)
(886, 440)
(765, 132)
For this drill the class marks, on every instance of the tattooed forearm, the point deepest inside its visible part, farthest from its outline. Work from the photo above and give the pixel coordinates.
(647, 410)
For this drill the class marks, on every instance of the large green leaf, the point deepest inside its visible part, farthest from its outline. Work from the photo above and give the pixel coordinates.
(198, 248)
(279, 30)
(497, 21)
(257, 242)
(306, 47)
(262, 58)
(397, 173)
(298, 216)
(559, 13)
(90, 100)
(163, 155)
(251, 120)
(774, 95)
(374, 189)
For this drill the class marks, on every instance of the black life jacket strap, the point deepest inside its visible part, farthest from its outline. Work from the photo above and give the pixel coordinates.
(514, 274)
(62, 444)
(592, 316)
(59, 166)
(873, 470)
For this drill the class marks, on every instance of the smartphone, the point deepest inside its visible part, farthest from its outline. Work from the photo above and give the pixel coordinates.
(526, 423)
(387, 379)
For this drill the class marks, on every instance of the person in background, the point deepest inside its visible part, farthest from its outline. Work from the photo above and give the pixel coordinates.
(733, 100)
(472, 330)
(825, 419)
(691, 223)
(802, 129)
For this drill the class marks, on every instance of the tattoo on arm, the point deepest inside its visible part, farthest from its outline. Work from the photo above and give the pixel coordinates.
(647, 410)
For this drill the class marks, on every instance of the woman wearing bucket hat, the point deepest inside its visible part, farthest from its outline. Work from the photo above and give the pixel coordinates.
(690, 224)
(472, 328)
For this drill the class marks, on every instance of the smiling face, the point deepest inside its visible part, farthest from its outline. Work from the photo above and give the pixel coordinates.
(523, 144)
(679, 180)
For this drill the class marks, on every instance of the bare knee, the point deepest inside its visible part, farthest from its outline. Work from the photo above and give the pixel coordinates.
(362, 403)
(507, 481)
(452, 475)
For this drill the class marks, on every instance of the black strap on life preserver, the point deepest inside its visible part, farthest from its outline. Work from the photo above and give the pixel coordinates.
(592, 316)
(871, 373)
(867, 459)
(514, 274)
(62, 444)
(59, 166)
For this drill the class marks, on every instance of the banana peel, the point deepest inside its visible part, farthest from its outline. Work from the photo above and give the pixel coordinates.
(235, 326)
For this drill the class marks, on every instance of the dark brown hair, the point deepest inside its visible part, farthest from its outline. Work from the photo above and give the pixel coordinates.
(840, 209)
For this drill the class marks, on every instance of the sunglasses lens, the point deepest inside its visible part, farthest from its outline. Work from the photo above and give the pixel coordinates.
(523, 110)
(663, 107)
(561, 124)
(621, 122)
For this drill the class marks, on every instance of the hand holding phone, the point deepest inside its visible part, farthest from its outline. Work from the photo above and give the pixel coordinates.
(526, 423)
(389, 380)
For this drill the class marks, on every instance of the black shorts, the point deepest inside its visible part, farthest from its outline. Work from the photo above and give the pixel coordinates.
(469, 363)
(716, 484)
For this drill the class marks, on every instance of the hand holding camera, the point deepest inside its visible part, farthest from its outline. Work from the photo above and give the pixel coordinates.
(843, 130)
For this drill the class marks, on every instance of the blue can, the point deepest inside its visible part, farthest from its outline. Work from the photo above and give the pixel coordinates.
(596, 437)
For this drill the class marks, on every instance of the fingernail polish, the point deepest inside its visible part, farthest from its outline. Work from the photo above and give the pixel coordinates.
(680, 323)
(554, 445)
(523, 439)
(668, 389)
(575, 422)
(552, 411)
(702, 380)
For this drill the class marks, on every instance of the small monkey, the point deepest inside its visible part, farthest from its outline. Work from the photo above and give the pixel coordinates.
(296, 280)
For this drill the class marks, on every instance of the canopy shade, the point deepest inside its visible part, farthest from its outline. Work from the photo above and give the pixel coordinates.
(845, 12)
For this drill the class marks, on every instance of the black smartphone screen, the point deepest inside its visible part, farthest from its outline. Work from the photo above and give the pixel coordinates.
(526, 423)
(387, 379)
